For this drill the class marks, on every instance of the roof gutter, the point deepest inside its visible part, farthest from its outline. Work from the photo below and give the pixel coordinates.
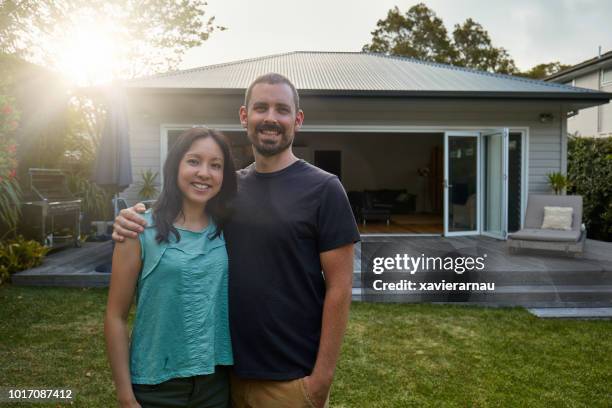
(596, 97)
(592, 65)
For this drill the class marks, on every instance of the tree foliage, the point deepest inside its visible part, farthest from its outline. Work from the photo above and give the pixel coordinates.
(418, 33)
(474, 49)
(152, 35)
(421, 34)
(541, 71)
(589, 169)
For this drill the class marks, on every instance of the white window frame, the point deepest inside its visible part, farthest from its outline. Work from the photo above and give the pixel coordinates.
(603, 75)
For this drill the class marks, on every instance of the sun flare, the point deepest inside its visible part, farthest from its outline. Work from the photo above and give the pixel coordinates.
(87, 55)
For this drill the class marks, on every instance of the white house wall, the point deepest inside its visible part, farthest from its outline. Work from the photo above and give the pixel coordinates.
(605, 114)
(595, 121)
(149, 112)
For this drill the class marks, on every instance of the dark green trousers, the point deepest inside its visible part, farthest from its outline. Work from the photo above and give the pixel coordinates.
(201, 391)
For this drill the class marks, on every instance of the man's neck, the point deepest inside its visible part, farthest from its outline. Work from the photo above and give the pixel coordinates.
(270, 164)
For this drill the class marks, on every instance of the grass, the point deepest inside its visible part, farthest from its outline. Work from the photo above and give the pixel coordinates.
(393, 355)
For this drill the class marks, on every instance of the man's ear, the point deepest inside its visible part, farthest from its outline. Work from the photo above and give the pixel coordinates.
(242, 113)
(299, 119)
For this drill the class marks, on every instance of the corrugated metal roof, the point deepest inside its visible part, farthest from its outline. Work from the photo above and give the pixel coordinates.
(357, 72)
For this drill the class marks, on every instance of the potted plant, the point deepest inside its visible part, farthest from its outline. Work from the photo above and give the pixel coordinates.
(148, 186)
(558, 182)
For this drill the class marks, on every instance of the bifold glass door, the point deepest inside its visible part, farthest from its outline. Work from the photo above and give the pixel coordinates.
(495, 183)
(476, 183)
(461, 183)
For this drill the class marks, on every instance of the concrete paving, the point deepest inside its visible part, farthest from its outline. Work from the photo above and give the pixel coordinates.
(573, 312)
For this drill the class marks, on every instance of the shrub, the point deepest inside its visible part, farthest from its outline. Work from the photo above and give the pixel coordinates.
(97, 202)
(10, 193)
(558, 182)
(19, 254)
(589, 171)
(147, 185)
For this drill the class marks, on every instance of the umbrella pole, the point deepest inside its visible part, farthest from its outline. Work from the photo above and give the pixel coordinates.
(116, 205)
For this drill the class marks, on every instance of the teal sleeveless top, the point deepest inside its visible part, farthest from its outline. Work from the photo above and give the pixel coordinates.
(181, 327)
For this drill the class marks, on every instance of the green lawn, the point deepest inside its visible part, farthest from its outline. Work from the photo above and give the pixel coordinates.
(393, 355)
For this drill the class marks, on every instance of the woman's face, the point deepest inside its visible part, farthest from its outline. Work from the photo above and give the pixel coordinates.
(201, 171)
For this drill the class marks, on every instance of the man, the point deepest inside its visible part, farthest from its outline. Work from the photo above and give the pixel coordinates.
(290, 246)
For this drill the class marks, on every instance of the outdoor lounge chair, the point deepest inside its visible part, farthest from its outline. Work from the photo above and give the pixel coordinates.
(533, 236)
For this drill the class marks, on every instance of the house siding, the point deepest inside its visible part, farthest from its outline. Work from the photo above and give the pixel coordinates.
(149, 112)
(585, 123)
(605, 114)
(595, 121)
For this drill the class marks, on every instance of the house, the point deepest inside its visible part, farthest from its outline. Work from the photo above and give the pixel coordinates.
(595, 73)
(452, 150)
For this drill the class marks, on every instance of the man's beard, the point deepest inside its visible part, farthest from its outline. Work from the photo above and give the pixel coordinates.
(271, 149)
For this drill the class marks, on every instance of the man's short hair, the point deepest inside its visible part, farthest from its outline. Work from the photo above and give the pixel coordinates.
(272, 78)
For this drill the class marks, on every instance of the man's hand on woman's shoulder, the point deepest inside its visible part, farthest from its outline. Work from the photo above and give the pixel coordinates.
(129, 223)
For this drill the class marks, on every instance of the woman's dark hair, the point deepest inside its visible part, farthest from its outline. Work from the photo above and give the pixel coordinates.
(169, 205)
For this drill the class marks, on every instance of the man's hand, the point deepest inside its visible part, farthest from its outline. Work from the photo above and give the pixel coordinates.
(129, 223)
(317, 389)
(132, 403)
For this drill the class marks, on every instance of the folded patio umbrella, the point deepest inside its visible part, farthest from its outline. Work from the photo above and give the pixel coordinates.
(113, 166)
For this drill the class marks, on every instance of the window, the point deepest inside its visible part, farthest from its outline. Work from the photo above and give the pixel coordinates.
(606, 76)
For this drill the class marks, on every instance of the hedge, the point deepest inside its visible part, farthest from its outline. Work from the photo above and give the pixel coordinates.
(589, 169)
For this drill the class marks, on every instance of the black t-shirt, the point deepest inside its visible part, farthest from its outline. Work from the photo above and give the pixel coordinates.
(283, 221)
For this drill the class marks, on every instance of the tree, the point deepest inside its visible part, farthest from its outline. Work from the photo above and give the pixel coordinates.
(475, 50)
(541, 71)
(419, 34)
(152, 35)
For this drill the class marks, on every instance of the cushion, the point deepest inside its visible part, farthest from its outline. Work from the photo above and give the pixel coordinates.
(529, 234)
(558, 218)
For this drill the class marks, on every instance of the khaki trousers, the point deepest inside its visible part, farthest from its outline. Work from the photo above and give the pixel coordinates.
(270, 394)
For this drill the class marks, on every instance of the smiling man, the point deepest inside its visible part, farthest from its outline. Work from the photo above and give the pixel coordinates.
(290, 248)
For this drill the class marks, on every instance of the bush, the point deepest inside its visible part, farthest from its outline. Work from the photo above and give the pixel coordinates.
(10, 193)
(589, 169)
(96, 202)
(19, 254)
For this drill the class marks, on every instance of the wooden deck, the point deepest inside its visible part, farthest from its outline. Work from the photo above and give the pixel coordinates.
(530, 278)
(406, 224)
(70, 267)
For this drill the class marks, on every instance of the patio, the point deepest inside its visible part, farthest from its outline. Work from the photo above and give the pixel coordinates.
(534, 279)
(529, 278)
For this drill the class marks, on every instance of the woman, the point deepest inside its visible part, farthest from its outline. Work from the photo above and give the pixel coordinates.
(180, 341)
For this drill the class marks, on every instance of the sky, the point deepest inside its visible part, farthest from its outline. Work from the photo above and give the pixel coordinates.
(533, 31)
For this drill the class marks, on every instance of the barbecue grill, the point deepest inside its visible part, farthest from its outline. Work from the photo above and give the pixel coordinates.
(51, 213)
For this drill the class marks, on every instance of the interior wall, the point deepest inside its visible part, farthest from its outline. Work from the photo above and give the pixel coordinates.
(373, 161)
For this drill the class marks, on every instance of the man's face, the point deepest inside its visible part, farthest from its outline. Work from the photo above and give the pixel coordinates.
(271, 119)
